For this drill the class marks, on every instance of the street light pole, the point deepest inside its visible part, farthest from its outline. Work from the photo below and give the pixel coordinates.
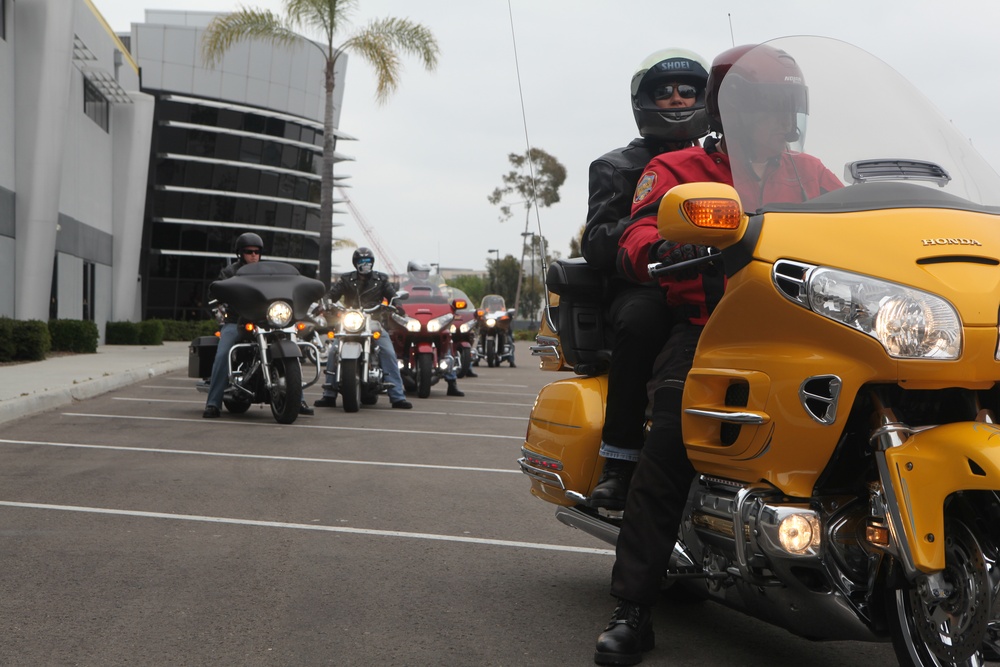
(496, 269)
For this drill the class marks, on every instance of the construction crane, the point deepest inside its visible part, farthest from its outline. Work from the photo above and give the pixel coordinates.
(383, 255)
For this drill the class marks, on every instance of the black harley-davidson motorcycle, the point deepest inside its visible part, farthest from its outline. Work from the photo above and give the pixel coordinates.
(264, 365)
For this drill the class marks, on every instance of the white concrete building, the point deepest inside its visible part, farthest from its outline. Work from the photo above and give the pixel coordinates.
(74, 148)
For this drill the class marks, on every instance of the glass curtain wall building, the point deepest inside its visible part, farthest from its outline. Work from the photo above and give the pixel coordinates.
(235, 148)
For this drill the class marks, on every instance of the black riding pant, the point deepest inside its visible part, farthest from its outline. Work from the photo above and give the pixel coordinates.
(640, 320)
(661, 482)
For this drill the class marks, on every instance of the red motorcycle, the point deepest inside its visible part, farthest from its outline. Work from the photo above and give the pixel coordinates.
(464, 332)
(423, 336)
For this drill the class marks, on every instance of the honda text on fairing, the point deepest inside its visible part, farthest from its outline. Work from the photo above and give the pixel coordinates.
(264, 366)
(841, 409)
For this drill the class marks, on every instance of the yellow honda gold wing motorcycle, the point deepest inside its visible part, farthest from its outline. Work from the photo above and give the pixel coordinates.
(840, 412)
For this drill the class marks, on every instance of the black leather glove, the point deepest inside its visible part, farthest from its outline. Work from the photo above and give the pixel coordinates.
(669, 253)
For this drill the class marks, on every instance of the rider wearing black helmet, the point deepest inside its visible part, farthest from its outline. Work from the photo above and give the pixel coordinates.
(363, 288)
(248, 248)
(668, 102)
(764, 89)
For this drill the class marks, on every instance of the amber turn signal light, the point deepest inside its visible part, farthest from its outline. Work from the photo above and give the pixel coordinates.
(713, 213)
(248, 326)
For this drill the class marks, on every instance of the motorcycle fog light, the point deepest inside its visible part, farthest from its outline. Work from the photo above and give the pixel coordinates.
(279, 314)
(353, 321)
(443, 365)
(798, 533)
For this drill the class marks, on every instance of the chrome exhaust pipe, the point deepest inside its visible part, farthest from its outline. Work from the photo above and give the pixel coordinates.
(574, 518)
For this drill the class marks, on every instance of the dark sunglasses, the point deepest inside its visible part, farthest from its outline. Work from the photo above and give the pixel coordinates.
(366, 260)
(251, 251)
(667, 91)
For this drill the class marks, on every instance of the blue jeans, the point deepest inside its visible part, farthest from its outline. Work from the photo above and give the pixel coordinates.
(390, 371)
(229, 334)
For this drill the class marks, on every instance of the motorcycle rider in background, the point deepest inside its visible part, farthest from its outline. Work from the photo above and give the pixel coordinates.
(668, 102)
(664, 474)
(248, 248)
(364, 288)
(418, 273)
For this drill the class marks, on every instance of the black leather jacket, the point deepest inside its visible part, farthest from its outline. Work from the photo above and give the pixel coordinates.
(361, 291)
(613, 178)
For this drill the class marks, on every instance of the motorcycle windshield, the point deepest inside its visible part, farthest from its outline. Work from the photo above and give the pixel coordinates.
(426, 289)
(256, 285)
(814, 124)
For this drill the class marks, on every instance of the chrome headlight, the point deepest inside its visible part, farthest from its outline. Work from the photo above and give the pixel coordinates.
(910, 324)
(413, 325)
(439, 323)
(279, 314)
(353, 321)
(491, 322)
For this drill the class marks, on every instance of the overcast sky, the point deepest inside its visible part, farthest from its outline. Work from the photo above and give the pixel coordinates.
(427, 160)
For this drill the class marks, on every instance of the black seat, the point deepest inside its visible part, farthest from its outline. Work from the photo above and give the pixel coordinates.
(582, 291)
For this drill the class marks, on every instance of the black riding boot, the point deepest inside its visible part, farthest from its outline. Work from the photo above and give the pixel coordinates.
(627, 637)
(612, 487)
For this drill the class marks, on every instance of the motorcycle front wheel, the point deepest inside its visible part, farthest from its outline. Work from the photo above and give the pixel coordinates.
(425, 372)
(950, 631)
(465, 357)
(350, 385)
(286, 390)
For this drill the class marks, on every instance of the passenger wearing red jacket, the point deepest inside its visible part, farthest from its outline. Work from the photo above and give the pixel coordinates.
(763, 98)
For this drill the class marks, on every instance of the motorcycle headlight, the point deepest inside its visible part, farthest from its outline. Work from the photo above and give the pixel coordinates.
(279, 314)
(439, 323)
(909, 323)
(491, 322)
(466, 327)
(412, 325)
(353, 321)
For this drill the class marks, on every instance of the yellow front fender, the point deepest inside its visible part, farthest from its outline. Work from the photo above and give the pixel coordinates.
(930, 466)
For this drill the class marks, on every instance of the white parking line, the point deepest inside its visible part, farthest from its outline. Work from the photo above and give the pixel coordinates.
(491, 393)
(232, 422)
(419, 412)
(305, 526)
(297, 459)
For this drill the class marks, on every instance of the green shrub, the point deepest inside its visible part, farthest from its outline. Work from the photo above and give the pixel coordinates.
(151, 332)
(187, 330)
(525, 334)
(121, 333)
(31, 340)
(7, 347)
(74, 335)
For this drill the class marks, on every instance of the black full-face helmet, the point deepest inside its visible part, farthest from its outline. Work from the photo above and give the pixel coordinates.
(418, 269)
(363, 260)
(248, 240)
(676, 124)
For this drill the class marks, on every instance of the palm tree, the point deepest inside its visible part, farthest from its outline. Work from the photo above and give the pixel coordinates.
(381, 43)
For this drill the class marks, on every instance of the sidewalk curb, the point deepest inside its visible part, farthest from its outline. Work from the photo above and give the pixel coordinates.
(48, 399)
